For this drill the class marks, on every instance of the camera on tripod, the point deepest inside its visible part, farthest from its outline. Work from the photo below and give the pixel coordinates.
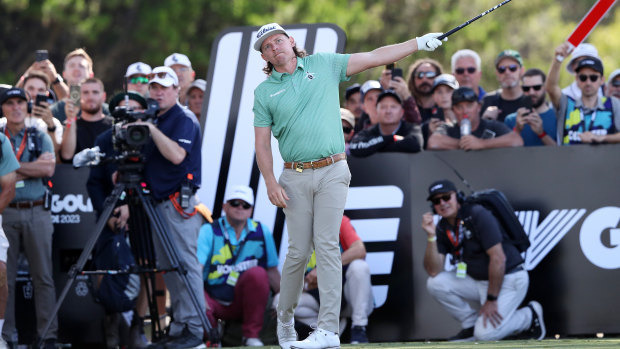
(132, 137)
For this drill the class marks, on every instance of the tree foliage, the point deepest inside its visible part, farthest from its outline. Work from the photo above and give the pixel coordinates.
(119, 32)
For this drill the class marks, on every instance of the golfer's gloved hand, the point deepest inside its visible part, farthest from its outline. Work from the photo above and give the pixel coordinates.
(429, 42)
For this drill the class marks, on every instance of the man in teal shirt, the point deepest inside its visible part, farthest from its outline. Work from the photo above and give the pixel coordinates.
(8, 165)
(25, 221)
(299, 104)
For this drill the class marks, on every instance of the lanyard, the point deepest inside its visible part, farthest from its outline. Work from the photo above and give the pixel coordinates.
(22, 145)
(456, 239)
(230, 247)
(582, 117)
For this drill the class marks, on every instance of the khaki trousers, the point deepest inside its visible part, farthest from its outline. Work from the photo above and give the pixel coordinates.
(313, 218)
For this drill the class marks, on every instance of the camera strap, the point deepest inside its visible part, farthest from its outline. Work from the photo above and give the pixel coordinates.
(174, 198)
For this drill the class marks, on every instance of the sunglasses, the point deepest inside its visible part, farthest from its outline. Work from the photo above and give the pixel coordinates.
(426, 74)
(139, 80)
(502, 68)
(615, 83)
(438, 199)
(535, 87)
(584, 77)
(161, 75)
(346, 129)
(461, 71)
(237, 203)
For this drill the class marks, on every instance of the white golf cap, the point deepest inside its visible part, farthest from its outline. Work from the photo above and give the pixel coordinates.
(177, 58)
(266, 31)
(242, 192)
(583, 50)
(164, 76)
(138, 68)
(199, 84)
(613, 75)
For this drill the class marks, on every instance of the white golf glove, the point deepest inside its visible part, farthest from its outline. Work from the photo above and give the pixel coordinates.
(429, 42)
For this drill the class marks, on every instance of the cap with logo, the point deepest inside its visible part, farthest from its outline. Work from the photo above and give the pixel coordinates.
(445, 79)
(515, 55)
(590, 62)
(463, 94)
(177, 58)
(164, 76)
(266, 31)
(200, 84)
(369, 86)
(346, 115)
(242, 192)
(13, 92)
(582, 50)
(389, 93)
(440, 187)
(138, 68)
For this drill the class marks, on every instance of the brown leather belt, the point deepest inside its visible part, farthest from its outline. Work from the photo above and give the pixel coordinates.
(26, 204)
(326, 161)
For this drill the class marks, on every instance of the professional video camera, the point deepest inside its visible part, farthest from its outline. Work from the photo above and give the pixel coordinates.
(132, 137)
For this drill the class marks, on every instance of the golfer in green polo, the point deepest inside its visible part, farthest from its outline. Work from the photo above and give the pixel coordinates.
(299, 104)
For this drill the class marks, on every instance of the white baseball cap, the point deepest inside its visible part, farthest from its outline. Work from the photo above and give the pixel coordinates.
(242, 192)
(583, 50)
(266, 31)
(177, 58)
(138, 68)
(200, 84)
(613, 75)
(164, 76)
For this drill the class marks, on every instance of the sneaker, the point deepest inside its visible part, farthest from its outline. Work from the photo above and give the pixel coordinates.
(286, 334)
(465, 335)
(253, 342)
(358, 335)
(319, 339)
(537, 328)
(185, 340)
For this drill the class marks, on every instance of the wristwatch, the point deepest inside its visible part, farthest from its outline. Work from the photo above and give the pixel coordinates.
(51, 129)
(58, 79)
(491, 297)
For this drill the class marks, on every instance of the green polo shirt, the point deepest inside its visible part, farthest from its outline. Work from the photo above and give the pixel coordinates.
(303, 109)
(8, 163)
(32, 188)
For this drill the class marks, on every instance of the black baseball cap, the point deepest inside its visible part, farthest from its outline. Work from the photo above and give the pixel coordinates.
(463, 94)
(13, 92)
(389, 93)
(590, 62)
(355, 88)
(114, 101)
(440, 187)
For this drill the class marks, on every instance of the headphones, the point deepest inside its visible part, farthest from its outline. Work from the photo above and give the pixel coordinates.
(460, 198)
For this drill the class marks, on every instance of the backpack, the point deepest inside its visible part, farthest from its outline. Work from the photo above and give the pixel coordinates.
(496, 202)
(117, 292)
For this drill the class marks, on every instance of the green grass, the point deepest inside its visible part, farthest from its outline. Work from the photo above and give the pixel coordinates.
(548, 343)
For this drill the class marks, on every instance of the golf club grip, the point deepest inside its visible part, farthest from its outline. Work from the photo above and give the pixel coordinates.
(454, 30)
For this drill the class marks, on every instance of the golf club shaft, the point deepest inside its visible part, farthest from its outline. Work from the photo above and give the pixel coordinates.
(454, 30)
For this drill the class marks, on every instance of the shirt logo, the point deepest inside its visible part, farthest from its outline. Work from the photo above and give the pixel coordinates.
(186, 141)
(309, 76)
(277, 93)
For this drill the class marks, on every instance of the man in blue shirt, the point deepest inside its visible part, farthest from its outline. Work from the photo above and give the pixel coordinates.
(240, 264)
(172, 160)
(535, 124)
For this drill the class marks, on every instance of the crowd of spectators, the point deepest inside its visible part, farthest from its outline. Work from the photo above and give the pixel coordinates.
(423, 111)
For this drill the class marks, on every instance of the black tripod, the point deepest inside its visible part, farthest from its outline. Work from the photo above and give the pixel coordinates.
(129, 181)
